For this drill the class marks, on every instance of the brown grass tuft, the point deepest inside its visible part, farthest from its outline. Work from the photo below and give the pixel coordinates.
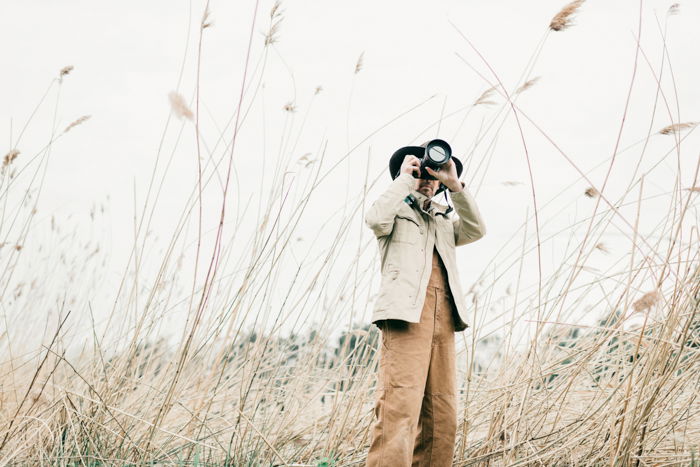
(318, 89)
(290, 107)
(562, 20)
(674, 9)
(178, 105)
(677, 127)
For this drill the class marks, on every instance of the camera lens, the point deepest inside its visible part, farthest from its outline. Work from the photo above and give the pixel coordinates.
(438, 152)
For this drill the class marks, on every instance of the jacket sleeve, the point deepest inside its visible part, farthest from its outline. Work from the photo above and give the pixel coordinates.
(380, 215)
(469, 227)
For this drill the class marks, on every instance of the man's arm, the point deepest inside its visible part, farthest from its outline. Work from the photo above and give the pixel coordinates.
(380, 215)
(469, 227)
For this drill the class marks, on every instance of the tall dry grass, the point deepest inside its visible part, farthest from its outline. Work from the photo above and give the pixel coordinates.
(232, 389)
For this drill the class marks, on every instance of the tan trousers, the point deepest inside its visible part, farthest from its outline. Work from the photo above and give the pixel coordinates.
(416, 406)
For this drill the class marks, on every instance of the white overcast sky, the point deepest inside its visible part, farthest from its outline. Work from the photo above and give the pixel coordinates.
(127, 56)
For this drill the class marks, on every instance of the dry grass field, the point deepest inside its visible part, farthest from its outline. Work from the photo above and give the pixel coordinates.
(87, 387)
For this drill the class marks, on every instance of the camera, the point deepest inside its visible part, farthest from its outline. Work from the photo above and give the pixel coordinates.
(434, 154)
(437, 153)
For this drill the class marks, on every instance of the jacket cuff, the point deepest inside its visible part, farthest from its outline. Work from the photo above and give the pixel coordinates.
(463, 186)
(405, 179)
(468, 210)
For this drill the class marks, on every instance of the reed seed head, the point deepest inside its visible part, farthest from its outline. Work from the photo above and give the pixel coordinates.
(64, 71)
(275, 11)
(205, 19)
(527, 85)
(360, 63)
(677, 127)
(484, 97)
(591, 192)
(77, 122)
(178, 105)
(272, 35)
(9, 157)
(275, 19)
(562, 20)
(648, 300)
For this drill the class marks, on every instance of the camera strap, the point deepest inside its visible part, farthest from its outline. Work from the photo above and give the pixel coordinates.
(411, 200)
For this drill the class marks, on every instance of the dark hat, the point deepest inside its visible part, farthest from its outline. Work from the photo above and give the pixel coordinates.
(418, 151)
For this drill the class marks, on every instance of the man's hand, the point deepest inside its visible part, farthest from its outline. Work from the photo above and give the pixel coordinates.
(447, 175)
(410, 165)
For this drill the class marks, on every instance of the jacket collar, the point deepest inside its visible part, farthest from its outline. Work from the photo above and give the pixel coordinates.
(433, 207)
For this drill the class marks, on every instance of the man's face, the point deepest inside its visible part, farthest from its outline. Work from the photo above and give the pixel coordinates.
(427, 187)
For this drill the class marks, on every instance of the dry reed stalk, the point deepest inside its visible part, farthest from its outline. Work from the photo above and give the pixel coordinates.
(294, 405)
(562, 20)
(178, 105)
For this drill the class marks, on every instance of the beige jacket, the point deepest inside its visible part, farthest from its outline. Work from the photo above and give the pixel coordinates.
(406, 235)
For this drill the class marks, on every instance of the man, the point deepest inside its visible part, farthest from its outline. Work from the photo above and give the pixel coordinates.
(419, 308)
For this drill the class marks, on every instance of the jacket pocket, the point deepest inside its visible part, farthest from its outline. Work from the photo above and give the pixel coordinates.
(406, 229)
(383, 325)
